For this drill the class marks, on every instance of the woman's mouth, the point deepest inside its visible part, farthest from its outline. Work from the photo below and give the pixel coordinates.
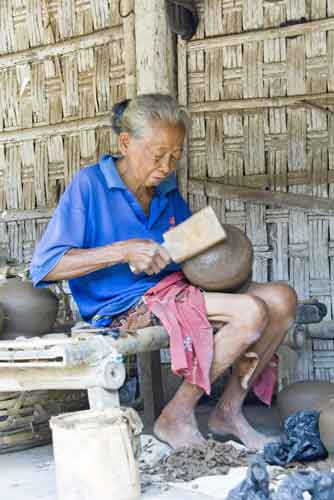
(158, 179)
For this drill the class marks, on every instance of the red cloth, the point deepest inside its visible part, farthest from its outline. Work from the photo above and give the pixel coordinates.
(181, 309)
(264, 385)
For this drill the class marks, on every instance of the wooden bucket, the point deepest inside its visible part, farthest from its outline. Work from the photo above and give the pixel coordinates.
(24, 416)
(94, 453)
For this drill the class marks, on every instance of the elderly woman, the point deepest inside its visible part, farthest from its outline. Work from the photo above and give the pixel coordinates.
(105, 239)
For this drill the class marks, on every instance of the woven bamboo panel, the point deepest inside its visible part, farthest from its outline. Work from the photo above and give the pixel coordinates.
(258, 81)
(24, 417)
(61, 69)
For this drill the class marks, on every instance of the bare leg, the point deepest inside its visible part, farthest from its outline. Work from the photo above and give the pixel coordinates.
(244, 318)
(228, 417)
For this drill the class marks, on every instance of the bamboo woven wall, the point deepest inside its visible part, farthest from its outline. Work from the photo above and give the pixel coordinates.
(258, 80)
(62, 66)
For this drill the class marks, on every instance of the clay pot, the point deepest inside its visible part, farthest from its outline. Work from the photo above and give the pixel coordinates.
(28, 311)
(308, 395)
(224, 267)
(326, 425)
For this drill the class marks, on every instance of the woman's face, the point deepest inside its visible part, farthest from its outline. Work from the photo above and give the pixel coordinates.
(153, 157)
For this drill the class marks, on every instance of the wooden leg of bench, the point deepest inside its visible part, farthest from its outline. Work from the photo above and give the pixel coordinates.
(100, 398)
(151, 385)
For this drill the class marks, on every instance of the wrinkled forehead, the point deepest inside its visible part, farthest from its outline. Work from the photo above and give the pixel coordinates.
(164, 135)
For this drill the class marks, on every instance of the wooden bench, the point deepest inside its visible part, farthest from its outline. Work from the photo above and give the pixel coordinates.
(85, 360)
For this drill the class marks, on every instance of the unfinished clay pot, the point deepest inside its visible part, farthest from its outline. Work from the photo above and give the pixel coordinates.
(308, 395)
(326, 425)
(224, 267)
(28, 311)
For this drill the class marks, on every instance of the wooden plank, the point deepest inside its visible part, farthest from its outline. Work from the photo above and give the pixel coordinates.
(151, 385)
(323, 330)
(233, 105)
(259, 35)
(63, 128)
(23, 215)
(33, 379)
(225, 191)
(95, 39)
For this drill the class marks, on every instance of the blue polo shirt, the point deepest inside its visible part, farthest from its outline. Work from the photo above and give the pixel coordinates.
(97, 209)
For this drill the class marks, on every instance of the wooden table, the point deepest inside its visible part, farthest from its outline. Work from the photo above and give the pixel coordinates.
(85, 360)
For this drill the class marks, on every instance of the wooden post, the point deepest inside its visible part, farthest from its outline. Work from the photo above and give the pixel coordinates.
(151, 385)
(155, 48)
(129, 48)
(100, 398)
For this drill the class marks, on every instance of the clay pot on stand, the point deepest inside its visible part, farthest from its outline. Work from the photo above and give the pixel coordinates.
(28, 311)
(326, 426)
(226, 266)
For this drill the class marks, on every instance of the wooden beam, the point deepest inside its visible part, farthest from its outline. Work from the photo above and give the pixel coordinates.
(129, 48)
(291, 200)
(289, 31)
(151, 385)
(233, 105)
(95, 39)
(155, 49)
(100, 398)
(323, 330)
(63, 128)
(21, 215)
(36, 379)
(145, 340)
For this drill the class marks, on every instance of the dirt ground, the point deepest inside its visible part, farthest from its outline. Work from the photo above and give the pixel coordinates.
(30, 474)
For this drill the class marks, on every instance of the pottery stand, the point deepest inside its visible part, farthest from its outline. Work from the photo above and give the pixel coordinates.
(307, 354)
(83, 361)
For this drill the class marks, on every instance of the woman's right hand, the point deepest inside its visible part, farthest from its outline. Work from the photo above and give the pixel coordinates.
(145, 256)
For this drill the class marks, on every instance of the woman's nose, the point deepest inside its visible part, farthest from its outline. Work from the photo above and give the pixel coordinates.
(166, 165)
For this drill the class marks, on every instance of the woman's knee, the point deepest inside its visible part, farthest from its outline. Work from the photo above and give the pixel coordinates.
(283, 302)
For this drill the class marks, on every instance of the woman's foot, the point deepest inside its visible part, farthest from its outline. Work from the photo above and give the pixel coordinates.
(178, 431)
(223, 424)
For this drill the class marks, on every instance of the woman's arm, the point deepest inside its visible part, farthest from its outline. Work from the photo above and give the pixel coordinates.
(142, 255)
(80, 261)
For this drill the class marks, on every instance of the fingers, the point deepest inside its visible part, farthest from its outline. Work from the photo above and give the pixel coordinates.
(146, 256)
(152, 261)
(164, 255)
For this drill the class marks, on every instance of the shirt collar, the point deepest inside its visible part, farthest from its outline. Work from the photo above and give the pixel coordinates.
(114, 180)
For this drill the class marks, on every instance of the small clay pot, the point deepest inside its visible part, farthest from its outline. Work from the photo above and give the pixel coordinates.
(224, 267)
(307, 395)
(28, 311)
(326, 425)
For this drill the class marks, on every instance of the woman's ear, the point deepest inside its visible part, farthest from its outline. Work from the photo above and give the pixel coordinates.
(123, 142)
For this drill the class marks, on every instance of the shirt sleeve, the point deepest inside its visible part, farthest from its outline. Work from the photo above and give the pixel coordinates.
(66, 230)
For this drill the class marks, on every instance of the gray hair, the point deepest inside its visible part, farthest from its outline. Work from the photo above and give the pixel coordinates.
(135, 116)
